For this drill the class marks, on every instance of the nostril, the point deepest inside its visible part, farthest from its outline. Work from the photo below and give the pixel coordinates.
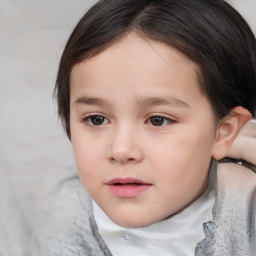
(122, 159)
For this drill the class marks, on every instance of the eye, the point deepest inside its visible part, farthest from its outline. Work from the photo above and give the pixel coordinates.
(95, 120)
(159, 120)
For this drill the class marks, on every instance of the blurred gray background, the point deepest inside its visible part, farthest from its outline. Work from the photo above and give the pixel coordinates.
(32, 143)
(32, 37)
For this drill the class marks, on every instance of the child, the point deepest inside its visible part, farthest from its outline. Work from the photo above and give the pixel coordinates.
(151, 94)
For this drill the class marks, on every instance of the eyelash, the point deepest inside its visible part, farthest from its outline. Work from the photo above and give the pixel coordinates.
(88, 120)
(163, 120)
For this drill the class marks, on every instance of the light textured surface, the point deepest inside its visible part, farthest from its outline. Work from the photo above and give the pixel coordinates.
(34, 152)
(33, 34)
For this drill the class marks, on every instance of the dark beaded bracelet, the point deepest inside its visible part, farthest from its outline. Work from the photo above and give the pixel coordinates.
(239, 162)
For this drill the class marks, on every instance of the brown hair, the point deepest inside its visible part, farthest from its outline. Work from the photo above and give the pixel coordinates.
(211, 33)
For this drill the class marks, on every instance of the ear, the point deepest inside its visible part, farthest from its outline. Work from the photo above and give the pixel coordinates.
(227, 130)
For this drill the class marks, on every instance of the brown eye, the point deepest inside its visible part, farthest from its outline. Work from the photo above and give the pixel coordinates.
(159, 121)
(156, 120)
(95, 120)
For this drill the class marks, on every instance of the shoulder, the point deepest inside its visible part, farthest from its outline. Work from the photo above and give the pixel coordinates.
(74, 231)
(235, 207)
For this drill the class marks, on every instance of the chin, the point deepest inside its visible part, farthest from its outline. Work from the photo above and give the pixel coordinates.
(133, 222)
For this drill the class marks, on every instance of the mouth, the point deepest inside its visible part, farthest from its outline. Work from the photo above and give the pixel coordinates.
(127, 187)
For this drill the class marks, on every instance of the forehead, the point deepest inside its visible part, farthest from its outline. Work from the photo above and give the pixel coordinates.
(138, 47)
(138, 64)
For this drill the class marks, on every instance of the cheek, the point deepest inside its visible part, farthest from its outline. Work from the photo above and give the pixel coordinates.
(88, 155)
(184, 155)
(89, 167)
(183, 145)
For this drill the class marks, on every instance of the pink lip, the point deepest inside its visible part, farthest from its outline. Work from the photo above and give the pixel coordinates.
(127, 187)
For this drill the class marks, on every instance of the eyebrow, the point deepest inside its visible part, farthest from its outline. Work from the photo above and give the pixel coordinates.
(91, 101)
(141, 101)
(154, 101)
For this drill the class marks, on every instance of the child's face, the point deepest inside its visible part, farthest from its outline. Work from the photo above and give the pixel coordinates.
(141, 130)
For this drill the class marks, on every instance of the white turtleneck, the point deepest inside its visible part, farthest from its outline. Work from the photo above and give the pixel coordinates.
(175, 236)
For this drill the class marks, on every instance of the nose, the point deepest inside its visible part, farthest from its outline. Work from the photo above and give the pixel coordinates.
(125, 146)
